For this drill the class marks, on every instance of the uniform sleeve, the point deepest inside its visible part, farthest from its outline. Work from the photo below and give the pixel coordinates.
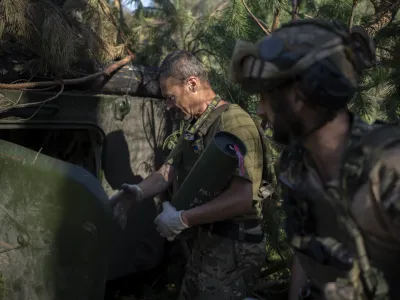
(176, 153)
(253, 159)
(385, 186)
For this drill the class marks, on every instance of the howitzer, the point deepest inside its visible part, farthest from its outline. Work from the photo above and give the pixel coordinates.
(59, 163)
(213, 170)
(55, 228)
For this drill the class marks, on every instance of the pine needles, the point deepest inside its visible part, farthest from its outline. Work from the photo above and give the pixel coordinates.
(57, 36)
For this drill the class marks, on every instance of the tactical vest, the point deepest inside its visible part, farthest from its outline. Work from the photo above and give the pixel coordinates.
(194, 140)
(330, 245)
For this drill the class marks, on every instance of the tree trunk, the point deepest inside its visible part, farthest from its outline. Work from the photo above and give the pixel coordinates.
(121, 21)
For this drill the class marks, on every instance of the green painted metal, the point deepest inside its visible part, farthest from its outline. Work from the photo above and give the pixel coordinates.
(212, 171)
(54, 228)
(126, 138)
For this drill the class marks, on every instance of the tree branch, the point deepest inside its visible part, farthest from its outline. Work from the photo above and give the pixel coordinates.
(266, 30)
(219, 8)
(384, 14)
(353, 12)
(10, 107)
(109, 70)
(295, 9)
(106, 11)
(275, 23)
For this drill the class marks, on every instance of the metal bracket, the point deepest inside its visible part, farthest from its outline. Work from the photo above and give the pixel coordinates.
(122, 106)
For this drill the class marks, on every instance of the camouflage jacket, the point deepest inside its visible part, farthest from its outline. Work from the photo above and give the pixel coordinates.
(198, 134)
(348, 230)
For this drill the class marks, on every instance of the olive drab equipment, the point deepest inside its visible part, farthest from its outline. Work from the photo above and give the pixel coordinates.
(212, 171)
(55, 242)
(193, 141)
(205, 131)
(172, 140)
(61, 210)
(346, 252)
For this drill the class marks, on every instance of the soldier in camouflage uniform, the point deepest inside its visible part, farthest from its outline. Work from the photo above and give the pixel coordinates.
(341, 176)
(229, 246)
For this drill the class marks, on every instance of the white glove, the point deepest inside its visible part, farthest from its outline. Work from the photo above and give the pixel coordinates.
(169, 223)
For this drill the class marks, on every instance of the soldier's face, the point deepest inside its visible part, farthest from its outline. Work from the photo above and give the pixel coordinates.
(277, 109)
(177, 95)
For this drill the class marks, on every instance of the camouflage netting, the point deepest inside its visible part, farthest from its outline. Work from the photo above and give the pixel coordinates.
(57, 45)
(55, 38)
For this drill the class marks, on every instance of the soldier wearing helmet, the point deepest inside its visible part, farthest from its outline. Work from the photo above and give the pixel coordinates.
(341, 176)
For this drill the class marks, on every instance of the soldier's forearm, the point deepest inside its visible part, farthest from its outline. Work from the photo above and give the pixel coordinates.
(236, 200)
(158, 182)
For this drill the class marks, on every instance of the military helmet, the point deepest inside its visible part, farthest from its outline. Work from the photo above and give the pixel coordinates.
(323, 56)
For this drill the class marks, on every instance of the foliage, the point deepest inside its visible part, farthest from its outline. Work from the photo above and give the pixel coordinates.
(212, 38)
(57, 35)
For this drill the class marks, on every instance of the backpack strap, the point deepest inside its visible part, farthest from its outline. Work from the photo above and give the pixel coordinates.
(364, 154)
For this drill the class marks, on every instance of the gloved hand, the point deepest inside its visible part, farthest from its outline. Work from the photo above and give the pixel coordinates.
(169, 223)
(122, 202)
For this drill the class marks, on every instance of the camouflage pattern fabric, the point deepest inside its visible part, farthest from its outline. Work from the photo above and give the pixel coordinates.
(189, 132)
(221, 268)
(375, 209)
(305, 42)
(238, 122)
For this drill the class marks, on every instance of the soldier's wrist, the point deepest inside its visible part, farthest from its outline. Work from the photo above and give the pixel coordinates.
(139, 193)
(135, 190)
(184, 218)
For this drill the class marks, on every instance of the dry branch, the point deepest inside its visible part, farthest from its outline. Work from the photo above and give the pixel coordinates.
(266, 30)
(295, 9)
(275, 23)
(57, 36)
(6, 108)
(109, 70)
(385, 11)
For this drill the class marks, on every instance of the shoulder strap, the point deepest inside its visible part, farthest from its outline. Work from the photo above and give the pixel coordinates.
(212, 117)
(265, 175)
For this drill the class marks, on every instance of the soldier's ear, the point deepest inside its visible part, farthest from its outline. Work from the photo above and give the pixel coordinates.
(296, 97)
(193, 84)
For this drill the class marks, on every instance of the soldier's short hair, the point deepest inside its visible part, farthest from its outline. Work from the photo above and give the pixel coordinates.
(182, 64)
